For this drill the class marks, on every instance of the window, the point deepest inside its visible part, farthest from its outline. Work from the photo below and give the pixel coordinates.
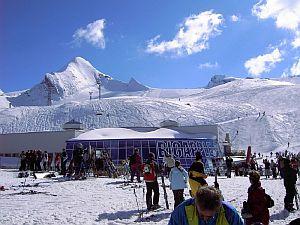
(99, 144)
(122, 144)
(122, 153)
(137, 144)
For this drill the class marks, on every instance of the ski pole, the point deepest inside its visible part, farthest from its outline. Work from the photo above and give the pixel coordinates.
(137, 203)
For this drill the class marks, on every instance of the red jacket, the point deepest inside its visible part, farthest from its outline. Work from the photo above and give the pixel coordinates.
(135, 162)
(257, 203)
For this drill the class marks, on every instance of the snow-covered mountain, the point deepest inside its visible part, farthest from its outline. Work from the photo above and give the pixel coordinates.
(264, 113)
(219, 80)
(78, 77)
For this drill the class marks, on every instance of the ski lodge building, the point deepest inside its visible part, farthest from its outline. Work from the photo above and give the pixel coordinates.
(180, 141)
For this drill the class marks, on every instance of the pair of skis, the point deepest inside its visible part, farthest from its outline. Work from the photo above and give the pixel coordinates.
(165, 191)
(297, 198)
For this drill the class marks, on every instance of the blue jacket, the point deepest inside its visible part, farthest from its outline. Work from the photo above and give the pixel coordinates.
(178, 179)
(178, 216)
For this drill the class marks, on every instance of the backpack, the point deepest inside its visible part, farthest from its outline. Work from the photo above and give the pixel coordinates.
(270, 201)
(149, 172)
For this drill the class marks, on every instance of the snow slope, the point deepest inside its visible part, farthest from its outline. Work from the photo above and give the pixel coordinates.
(84, 202)
(4, 103)
(234, 105)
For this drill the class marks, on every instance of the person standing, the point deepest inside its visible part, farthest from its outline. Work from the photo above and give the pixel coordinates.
(178, 182)
(135, 163)
(151, 171)
(23, 161)
(64, 158)
(77, 159)
(169, 163)
(197, 175)
(257, 201)
(45, 160)
(57, 161)
(267, 168)
(274, 169)
(289, 180)
(229, 162)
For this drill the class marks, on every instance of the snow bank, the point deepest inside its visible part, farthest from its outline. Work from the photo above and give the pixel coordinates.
(127, 133)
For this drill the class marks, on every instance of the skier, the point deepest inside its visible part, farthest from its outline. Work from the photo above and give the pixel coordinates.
(289, 179)
(77, 160)
(169, 163)
(45, 160)
(23, 161)
(196, 174)
(229, 162)
(206, 208)
(135, 163)
(253, 164)
(257, 202)
(151, 171)
(280, 163)
(178, 182)
(273, 168)
(64, 158)
(267, 168)
(57, 162)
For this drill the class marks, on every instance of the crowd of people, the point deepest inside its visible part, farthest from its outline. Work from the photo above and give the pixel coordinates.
(37, 160)
(206, 205)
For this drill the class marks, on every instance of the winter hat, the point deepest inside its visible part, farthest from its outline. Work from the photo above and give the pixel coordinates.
(254, 176)
(177, 163)
(198, 155)
(151, 155)
(79, 146)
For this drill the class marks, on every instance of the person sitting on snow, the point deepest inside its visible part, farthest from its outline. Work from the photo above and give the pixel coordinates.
(196, 174)
(206, 208)
(257, 202)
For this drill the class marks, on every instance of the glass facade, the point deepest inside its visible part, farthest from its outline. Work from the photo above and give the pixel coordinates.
(182, 149)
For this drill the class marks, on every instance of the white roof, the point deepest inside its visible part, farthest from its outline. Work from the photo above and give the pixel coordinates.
(127, 133)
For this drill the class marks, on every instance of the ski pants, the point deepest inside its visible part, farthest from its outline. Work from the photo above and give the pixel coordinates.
(178, 197)
(137, 173)
(228, 172)
(152, 186)
(289, 196)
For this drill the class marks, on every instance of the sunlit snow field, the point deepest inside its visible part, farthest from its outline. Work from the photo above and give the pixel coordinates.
(109, 201)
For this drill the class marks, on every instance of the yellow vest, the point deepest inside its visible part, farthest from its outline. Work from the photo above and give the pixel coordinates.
(194, 185)
(193, 219)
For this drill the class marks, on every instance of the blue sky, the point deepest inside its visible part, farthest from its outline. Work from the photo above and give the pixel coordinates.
(142, 39)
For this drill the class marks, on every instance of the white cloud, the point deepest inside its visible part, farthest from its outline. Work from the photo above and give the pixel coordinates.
(296, 42)
(93, 34)
(285, 12)
(263, 63)
(208, 65)
(234, 18)
(295, 70)
(192, 37)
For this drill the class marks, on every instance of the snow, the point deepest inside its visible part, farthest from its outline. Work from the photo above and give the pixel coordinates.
(109, 201)
(234, 105)
(4, 103)
(219, 80)
(77, 78)
(126, 133)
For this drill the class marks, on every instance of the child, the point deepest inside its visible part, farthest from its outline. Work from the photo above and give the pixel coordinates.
(257, 201)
